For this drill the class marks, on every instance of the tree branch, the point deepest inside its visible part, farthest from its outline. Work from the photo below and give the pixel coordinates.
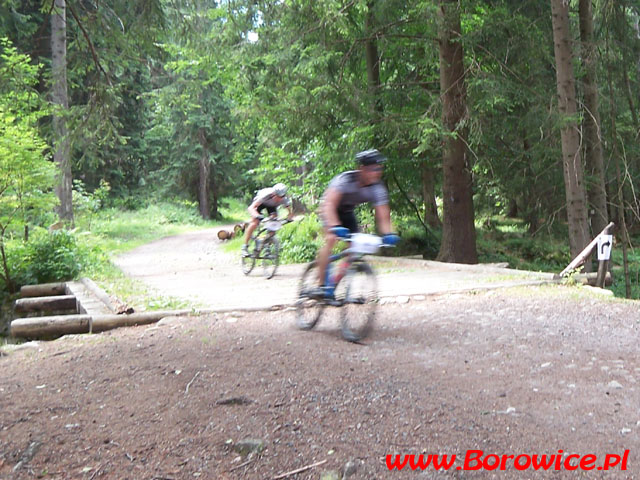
(91, 47)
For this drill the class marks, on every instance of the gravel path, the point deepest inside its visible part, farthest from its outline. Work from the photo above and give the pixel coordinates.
(194, 268)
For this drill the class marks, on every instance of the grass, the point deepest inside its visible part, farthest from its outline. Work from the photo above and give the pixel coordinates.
(119, 231)
(114, 231)
(506, 240)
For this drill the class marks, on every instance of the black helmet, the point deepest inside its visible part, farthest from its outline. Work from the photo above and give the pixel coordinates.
(370, 157)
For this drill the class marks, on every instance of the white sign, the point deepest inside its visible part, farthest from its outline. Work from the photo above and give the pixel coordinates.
(605, 242)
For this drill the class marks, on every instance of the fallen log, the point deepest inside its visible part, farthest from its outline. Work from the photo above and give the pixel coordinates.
(52, 326)
(58, 325)
(591, 278)
(239, 228)
(225, 235)
(43, 290)
(46, 304)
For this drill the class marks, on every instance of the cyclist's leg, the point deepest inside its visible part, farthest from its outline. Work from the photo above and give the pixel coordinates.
(253, 224)
(348, 220)
(324, 253)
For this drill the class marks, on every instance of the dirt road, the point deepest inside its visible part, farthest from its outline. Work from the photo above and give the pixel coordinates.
(512, 373)
(193, 267)
(525, 372)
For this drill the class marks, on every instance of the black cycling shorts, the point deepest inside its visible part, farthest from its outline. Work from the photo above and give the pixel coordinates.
(270, 210)
(348, 220)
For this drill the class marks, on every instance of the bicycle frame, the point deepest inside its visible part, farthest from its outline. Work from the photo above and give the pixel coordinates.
(260, 232)
(339, 270)
(354, 286)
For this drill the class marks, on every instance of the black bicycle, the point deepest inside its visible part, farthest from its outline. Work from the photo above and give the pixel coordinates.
(356, 292)
(264, 247)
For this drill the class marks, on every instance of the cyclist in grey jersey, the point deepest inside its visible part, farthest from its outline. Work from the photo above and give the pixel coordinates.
(353, 193)
(268, 199)
(338, 202)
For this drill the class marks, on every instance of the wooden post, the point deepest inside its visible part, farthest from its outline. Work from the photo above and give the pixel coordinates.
(603, 266)
(580, 259)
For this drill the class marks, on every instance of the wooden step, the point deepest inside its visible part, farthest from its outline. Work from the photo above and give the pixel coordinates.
(88, 303)
(46, 304)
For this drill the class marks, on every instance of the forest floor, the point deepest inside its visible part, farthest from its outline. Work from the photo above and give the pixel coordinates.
(527, 370)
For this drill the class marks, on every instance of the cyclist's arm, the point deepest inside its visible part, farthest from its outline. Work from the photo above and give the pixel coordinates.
(383, 219)
(253, 208)
(330, 207)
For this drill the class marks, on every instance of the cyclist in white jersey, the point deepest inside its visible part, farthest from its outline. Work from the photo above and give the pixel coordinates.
(344, 193)
(268, 199)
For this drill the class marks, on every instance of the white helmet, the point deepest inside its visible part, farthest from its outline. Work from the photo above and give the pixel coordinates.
(280, 189)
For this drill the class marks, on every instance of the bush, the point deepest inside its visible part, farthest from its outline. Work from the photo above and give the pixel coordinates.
(48, 257)
(301, 240)
(54, 257)
(414, 240)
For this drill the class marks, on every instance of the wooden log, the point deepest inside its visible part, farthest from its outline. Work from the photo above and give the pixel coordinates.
(58, 325)
(224, 235)
(582, 257)
(591, 278)
(52, 326)
(46, 304)
(43, 290)
(109, 322)
(239, 228)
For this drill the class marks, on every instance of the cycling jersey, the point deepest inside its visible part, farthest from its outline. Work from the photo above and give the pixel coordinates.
(267, 198)
(354, 194)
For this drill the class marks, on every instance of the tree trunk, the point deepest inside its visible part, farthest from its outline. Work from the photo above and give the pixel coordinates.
(213, 188)
(592, 132)
(458, 230)
(204, 168)
(571, 160)
(59, 97)
(531, 200)
(620, 181)
(429, 197)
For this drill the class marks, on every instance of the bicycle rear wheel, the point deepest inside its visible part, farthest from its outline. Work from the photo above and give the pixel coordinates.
(270, 256)
(359, 303)
(249, 261)
(308, 310)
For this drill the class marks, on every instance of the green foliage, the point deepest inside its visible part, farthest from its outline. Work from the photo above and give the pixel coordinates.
(120, 230)
(49, 257)
(505, 240)
(87, 203)
(301, 240)
(26, 175)
(415, 241)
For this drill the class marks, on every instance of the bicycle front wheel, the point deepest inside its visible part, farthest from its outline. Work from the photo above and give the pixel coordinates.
(308, 310)
(248, 261)
(270, 256)
(359, 303)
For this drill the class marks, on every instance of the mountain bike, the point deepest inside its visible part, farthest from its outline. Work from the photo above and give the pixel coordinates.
(264, 247)
(355, 289)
